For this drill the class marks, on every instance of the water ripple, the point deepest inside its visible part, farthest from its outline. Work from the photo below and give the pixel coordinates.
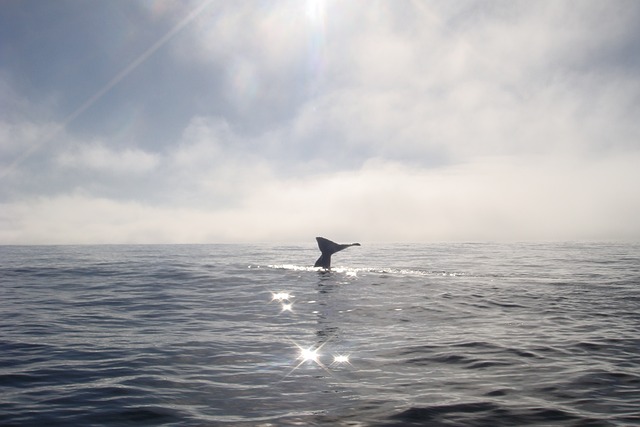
(446, 335)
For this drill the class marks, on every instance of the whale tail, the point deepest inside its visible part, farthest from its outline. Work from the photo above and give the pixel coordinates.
(328, 248)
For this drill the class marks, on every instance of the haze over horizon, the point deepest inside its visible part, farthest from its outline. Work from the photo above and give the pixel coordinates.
(211, 121)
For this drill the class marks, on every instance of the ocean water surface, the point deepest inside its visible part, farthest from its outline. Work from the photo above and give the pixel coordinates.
(251, 335)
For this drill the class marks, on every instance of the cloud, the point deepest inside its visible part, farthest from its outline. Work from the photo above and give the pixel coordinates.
(493, 200)
(496, 199)
(483, 81)
(213, 166)
(99, 158)
(381, 121)
(18, 136)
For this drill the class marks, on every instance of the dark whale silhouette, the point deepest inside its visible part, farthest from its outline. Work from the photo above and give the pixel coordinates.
(328, 248)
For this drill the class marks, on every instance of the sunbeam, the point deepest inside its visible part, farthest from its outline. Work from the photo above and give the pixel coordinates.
(107, 87)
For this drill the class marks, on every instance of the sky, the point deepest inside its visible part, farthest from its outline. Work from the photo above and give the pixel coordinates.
(207, 121)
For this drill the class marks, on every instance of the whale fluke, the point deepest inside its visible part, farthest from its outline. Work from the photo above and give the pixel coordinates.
(328, 248)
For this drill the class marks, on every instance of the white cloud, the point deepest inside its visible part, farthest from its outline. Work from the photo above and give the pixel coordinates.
(213, 165)
(17, 137)
(409, 122)
(273, 34)
(496, 200)
(494, 80)
(100, 158)
(492, 200)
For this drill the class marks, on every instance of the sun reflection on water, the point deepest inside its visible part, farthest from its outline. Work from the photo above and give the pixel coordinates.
(339, 359)
(313, 356)
(309, 355)
(281, 296)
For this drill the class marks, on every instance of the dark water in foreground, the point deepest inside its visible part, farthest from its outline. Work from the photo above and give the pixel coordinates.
(437, 335)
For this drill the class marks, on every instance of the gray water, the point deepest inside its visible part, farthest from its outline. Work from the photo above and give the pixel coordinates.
(207, 335)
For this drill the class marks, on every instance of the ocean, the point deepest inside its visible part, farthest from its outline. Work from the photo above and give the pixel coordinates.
(252, 335)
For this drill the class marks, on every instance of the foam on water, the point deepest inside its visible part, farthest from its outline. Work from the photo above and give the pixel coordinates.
(351, 271)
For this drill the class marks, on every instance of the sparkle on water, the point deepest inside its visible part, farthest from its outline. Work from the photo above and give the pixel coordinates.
(281, 296)
(309, 354)
(341, 358)
(506, 335)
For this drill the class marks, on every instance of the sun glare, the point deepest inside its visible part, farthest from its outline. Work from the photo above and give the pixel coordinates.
(281, 296)
(309, 354)
(341, 358)
(315, 11)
